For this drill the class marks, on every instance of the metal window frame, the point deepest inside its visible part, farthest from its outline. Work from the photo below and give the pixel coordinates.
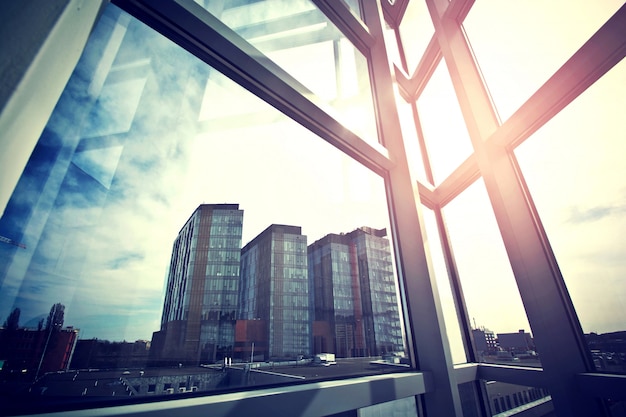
(307, 400)
(574, 388)
(558, 334)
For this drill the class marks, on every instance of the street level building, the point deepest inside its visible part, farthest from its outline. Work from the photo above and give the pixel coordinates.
(35, 352)
(520, 342)
(198, 321)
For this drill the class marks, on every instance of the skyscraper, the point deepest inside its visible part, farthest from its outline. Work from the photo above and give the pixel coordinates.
(356, 307)
(198, 321)
(275, 290)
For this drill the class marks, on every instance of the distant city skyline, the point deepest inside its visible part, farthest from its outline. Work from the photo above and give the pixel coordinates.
(287, 298)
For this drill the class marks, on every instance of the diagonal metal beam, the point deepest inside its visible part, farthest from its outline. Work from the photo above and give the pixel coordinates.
(350, 25)
(596, 57)
(462, 177)
(411, 88)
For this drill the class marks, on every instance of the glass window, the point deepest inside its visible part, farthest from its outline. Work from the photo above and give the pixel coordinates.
(302, 41)
(443, 286)
(575, 172)
(411, 141)
(118, 253)
(530, 45)
(445, 134)
(416, 31)
(500, 326)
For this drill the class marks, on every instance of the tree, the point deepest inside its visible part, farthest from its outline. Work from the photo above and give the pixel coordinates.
(56, 317)
(13, 320)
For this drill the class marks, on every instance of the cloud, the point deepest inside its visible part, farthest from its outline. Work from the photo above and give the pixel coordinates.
(103, 212)
(578, 215)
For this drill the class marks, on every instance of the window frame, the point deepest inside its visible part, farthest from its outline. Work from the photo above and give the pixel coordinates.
(574, 387)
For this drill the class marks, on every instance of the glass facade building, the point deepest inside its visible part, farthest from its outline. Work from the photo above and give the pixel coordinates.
(202, 292)
(485, 136)
(275, 290)
(354, 295)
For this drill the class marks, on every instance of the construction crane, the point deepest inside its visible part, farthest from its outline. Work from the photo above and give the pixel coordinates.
(12, 242)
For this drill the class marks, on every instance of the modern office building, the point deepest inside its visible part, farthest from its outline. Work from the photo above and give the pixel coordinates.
(493, 129)
(354, 294)
(275, 290)
(202, 293)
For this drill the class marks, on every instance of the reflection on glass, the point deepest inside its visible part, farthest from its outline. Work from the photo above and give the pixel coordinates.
(500, 326)
(301, 40)
(508, 399)
(445, 134)
(582, 205)
(523, 56)
(160, 248)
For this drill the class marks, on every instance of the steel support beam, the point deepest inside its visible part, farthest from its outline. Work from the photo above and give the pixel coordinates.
(426, 333)
(350, 25)
(596, 57)
(558, 334)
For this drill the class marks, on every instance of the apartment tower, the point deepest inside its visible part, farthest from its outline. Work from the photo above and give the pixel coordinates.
(275, 292)
(201, 301)
(355, 301)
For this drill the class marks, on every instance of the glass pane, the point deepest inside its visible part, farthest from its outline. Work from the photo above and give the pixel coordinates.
(575, 171)
(416, 30)
(509, 399)
(446, 136)
(298, 37)
(411, 142)
(451, 320)
(522, 57)
(491, 294)
(121, 264)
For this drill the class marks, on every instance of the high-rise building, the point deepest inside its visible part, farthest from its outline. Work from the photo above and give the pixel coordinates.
(198, 321)
(355, 301)
(275, 290)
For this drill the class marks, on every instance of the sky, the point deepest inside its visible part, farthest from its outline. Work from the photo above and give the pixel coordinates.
(145, 133)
